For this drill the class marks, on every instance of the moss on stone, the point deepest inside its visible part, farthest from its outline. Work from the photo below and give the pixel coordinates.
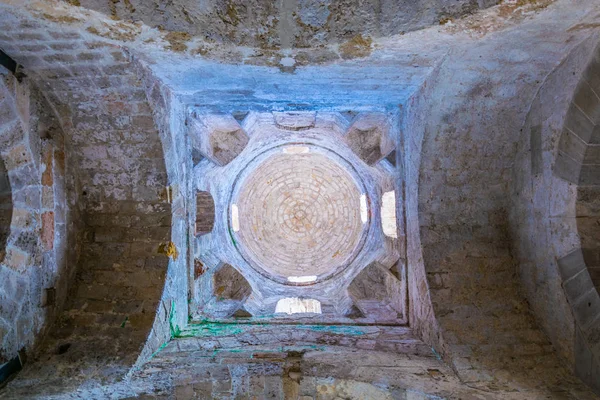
(356, 47)
(61, 19)
(177, 41)
(169, 249)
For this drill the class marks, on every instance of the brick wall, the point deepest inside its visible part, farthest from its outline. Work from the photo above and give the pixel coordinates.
(38, 265)
(116, 156)
(127, 218)
(487, 329)
(558, 198)
(205, 213)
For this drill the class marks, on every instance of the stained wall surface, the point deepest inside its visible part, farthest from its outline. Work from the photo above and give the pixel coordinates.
(284, 24)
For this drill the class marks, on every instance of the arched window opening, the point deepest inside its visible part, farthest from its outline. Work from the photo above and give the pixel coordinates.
(296, 149)
(388, 214)
(235, 218)
(302, 279)
(364, 209)
(295, 305)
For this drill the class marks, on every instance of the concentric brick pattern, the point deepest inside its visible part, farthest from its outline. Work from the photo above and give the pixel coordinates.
(300, 215)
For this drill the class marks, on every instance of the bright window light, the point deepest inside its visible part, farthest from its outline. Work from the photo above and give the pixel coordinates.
(235, 217)
(363, 208)
(295, 305)
(296, 149)
(388, 214)
(302, 279)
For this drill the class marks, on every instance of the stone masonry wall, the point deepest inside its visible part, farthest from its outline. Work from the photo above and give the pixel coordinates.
(170, 116)
(588, 195)
(288, 23)
(38, 265)
(118, 160)
(490, 335)
(543, 213)
(422, 317)
(205, 213)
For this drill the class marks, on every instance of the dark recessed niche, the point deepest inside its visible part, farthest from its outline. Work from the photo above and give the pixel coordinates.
(6, 208)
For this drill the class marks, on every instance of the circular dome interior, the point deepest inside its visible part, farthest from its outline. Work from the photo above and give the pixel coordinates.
(299, 214)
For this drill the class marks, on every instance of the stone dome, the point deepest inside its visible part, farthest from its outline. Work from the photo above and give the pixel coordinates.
(299, 213)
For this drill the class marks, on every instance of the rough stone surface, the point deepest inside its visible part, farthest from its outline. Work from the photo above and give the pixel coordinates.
(490, 147)
(369, 137)
(205, 213)
(218, 137)
(37, 220)
(299, 215)
(273, 25)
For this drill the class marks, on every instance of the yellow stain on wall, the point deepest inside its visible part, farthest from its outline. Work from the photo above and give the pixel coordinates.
(169, 249)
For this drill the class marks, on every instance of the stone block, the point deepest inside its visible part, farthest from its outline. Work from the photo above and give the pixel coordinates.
(566, 168)
(572, 145)
(592, 337)
(587, 101)
(578, 285)
(143, 122)
(16, 259)
(295, 121)
(59, 58)
(595, 137)
(595, 276)
(589, 228)
(587, 308)
(31, 36)
(590, 175)
(592, 155)
(17, 157)
(23, 176)
(26, 241)
(185, 392)
(583, 359)
(109, 234)
(571, 264)
(220, 138)
(591, 256)
(205, 213)
(47, 197)
(370, 138)
(273, 387)
(10, 132)
(588, 201)
(203, 389)
(592, 75)
(578, 123)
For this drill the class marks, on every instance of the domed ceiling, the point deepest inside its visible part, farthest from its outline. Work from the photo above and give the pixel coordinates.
(298, 217)
(301, 213)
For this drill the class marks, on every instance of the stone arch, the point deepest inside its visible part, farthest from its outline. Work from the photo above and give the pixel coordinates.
(119, 232)
(577, 161)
